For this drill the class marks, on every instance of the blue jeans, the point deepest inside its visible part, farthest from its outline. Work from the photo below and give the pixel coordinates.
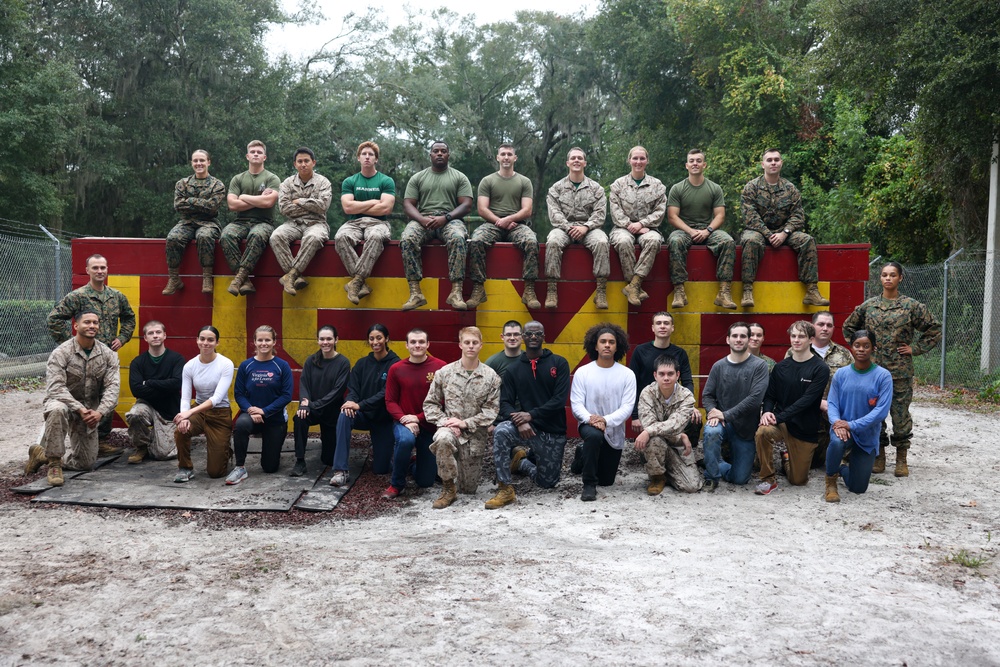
(426, 468)
(382, 441)
(743, 454)
(859, 471)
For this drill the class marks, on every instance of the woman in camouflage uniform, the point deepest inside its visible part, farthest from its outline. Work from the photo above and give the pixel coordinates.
(903, 328)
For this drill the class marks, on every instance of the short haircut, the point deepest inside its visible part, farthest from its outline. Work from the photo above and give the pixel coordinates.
(862, 333)
(202, 150)
(416, 330)
(257, 142)
(803, 326)
(696, 151)
(96, 255)
(265, 328)
(209, 327)
(86, 311)
(663, 313)
(598, 330)
(470, 331)
(576, 148)
(896, 265)
(755, 324)
(634, 149)
(381, 328)
(816, 316)
(507, 144)
(303, 150)
(769, 150)
(511, 323)
(153, 323)
(443, 143)
(328, 327)
(367, 144)
(665, 360)
(736, 325)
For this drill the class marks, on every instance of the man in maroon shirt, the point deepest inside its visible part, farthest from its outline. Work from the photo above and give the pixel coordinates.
(405, 390)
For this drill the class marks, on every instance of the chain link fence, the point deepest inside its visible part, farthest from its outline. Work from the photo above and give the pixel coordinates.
(953, 291)
(35, 272)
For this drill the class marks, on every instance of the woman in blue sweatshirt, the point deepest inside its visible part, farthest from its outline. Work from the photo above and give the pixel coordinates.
(858, 403)
(263, 390)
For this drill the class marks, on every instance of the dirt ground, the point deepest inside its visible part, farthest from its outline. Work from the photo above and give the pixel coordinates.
(905, 574)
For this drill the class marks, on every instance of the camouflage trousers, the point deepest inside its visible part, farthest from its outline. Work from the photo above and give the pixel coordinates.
(313, 236)
(719, 243)
(457, 460)
(804, 246)
(546, 457)
(596, 241)
(453, 235)
(487, 234)
(899, 413)
(148, 430)
(624, 242)
(665, 456)
(257, 236)
(204, 234)
(374, 233)
(62, 421)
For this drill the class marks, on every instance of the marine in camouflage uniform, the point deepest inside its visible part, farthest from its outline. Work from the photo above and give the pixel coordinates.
(117, 319)
(474, 397)
(665, 420)
(641, 206)
(304, 200)
(896, 322)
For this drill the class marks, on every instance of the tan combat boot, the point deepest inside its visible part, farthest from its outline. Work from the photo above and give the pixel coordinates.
(515, 461)
(237, 283)
(832, 496)
(353, 289)
(365, 289)
(288, 281)
(601, 294)
(300, 282)
(552, 295)
(449, 494)
(36, 459)
(529, 298)
(725, 298)
(55, 471)
(813, 297)
(139, 455)
(417, 298)
(902, 470)
(207, 281)
(174, 283)
(680, 297)
(477, 297)
(455, 299)
(656, 484)
(879, 465)
(631, 291)
(505, 496)
(105, 448)
(247, 287)
(747, 300)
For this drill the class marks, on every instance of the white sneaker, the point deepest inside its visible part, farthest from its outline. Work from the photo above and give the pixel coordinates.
(238, 474)
(339, 478)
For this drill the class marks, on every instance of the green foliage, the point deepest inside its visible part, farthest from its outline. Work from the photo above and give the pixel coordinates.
(965, 558)
(24, 328)
(990, 391)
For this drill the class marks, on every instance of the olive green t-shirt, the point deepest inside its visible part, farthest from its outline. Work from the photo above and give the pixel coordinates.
(505, 194)
(696, 202)
(438, 193)
(254, 184)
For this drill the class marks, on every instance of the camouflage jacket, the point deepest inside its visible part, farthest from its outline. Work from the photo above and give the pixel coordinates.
(110, 305)
(198, 200)
(645, 203)
(316, 196)
(836, 357)
(665, 418)
(772, 208)
(569, 205)
(473, 396)
(80, 381)
(894, 322)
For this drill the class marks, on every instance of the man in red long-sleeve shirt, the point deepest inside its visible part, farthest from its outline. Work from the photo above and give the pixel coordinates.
(405, 390)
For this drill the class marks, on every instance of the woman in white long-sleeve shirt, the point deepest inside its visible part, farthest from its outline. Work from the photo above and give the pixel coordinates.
(602, 398)
(206, 378)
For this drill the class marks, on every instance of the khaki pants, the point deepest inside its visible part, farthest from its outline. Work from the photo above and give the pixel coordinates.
(313, 237)
(596, 241)
(146, 428)
(61, 421)
(800, 454)
(457, 460)
(217, 425)
(664, 456)
(374, 233)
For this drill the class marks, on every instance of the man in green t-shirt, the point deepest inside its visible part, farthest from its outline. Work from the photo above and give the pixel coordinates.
(435, 201)
(367, 198)
(252, 196)
(504, 202)
(696, 207)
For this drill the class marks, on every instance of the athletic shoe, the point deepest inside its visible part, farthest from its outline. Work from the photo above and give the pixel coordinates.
(298, 470)
(391, 492)
(184, 475)
(765, 487)
(339, 478)
(589, 492)
(238, 474)
(711, 485)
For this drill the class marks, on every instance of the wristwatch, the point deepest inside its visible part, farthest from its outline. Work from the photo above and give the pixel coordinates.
(447, 216)
(787, 230)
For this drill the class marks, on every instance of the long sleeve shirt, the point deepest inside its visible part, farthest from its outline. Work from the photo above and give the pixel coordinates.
(771, 208)
(606, 392)
(794, 392)
(665, 417)
(116, 317)
(158, 382)
(323, 381)
(862, 399)
(539, 387)
(472, 396)
(313, 197)
(264, 384)
(895, 322)
(80, 380)
(738, 391)
(406, 388)
(366, 385)
(199, 199)
(645, 203)
(203, 382)
(570, 205)
(643, 364)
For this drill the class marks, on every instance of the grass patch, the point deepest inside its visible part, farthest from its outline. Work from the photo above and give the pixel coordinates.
(880, 481)
(967, 559)
(22, 384)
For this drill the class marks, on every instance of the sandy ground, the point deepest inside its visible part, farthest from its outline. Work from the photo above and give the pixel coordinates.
(724, 578)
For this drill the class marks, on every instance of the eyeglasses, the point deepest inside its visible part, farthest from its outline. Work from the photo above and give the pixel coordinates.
(533, 334)
(512, 335)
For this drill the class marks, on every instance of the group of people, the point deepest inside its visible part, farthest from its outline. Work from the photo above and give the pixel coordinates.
(437, 199)
(431, 420)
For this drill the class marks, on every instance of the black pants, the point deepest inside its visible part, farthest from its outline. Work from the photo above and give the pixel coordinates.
(273, 431)
(600, 460)
(327, 420)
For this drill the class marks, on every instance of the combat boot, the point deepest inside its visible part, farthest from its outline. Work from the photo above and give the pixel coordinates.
(725, 298)
(505, 496)
(632, 291)
(288, 281)
(365, 289)
(455, 299)
(747, 300)
(832, 496)
(477, 297)
(520, 452)
(55, 471)
(174, 283)
(353, 289)
(902, 470)
(680, 297)
(207, 281)
(237, 283)
(449, 494)
(36, 459)
(139, 455)
(247, 287)
(105, 448)
(656, 484)
(879, 465)
(813, 297)
(551, 295)
(417, 298)
(601, 294)
(300, 282)
(529, 298)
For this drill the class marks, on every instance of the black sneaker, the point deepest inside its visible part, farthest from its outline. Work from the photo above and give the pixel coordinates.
(577, 466)
(711, 485)
(298, 470)
(589, 492)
